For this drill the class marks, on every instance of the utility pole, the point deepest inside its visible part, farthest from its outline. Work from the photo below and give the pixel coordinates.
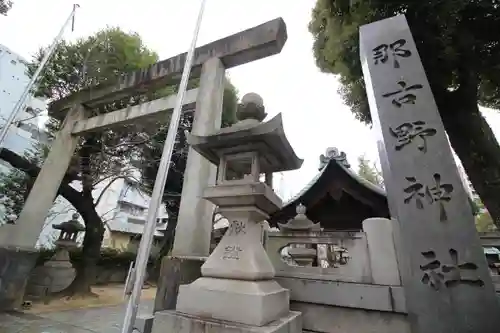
(139, 270)
(22, 100)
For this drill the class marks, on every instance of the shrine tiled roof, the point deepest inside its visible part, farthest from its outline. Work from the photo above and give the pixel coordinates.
(334, 156)
(354, 198)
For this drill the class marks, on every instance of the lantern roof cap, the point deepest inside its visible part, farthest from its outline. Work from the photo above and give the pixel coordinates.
(267, 139)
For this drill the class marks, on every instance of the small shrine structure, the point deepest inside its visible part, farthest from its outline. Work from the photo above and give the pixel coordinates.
(336, 197)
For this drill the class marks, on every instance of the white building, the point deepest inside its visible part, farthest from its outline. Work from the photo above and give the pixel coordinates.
(25, 130)
(122, 206)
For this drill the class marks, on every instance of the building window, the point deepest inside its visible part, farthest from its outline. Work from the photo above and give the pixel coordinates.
(135, 239)
(132, 209)
(32, 111)
(161, 220)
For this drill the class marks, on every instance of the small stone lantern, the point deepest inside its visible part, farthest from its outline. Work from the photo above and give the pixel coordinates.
(302, 254)
(69, 232)
(58, 272)
(300, 222)
(239, 271)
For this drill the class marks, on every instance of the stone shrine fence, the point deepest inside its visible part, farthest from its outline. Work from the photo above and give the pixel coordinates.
(356, 284)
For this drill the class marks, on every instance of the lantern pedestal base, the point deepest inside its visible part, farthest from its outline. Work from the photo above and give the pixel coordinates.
(177, 322)
(246, 302)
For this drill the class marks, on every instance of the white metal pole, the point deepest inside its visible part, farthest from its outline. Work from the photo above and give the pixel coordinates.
(22, 99)
(159, 186)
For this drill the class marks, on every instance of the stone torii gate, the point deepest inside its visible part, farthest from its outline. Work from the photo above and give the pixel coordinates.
(194, 228)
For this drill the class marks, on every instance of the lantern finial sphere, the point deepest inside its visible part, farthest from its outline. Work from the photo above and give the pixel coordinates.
(300, 209)
(253, 98)
(251, 107)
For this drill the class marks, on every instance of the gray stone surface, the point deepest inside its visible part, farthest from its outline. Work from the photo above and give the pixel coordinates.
(175, 322)
(92, 320)
(382, 251)
(356, 270)
(17, 322)
(334, 319)
(249, 45)
(15, 266)
(247, 302)
(447, 284)
(345, 294)
(53, 276)
(174, 272)
(150, 111)
(194, 227)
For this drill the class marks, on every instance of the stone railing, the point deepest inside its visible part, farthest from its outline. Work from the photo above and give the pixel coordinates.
(490, 239)
(359, 257)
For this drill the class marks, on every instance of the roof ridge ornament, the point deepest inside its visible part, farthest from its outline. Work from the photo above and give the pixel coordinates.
(333, 153)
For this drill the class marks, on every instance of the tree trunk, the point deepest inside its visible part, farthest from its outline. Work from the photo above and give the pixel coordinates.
(476, 146)
(168, 238)
(94, 228)
(86, 268)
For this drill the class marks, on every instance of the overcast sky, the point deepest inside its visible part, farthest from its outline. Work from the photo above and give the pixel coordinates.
(314, 115)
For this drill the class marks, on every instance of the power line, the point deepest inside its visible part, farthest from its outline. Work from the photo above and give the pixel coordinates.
(29, 86)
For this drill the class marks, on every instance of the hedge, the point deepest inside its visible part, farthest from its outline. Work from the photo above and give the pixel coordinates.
(109, 257)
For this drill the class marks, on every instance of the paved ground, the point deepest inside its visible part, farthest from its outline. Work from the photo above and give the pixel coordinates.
(95, 320)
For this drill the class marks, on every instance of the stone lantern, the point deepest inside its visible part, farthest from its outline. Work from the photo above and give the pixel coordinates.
(58, 272)
(300, 222)
(302, 254)
(69, 232)
(61, 269)
(237, 282)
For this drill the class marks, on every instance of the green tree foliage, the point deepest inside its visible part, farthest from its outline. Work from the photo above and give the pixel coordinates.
(13, 187)
(484, 222)
(369, 171)
(5, 6)
(459, 48)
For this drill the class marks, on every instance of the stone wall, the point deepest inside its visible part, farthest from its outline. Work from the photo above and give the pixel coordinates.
(14, 265)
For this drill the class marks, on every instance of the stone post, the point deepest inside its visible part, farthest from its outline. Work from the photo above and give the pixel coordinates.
(194, 227)
(382, 251)
(18, 241)
(447, 284)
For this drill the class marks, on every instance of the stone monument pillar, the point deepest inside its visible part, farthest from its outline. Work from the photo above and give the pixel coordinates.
(447, 284)
(237, 292)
